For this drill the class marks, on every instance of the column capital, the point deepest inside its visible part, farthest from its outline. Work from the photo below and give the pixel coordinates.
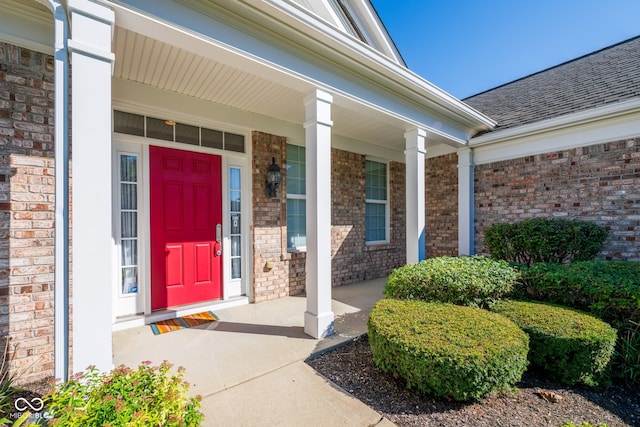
(415, 133)
(92, 33)
(318, 95)
(415, 140)
(318, 108)
(465, 157)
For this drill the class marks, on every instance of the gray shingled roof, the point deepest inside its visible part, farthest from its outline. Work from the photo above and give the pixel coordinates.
(604, 77)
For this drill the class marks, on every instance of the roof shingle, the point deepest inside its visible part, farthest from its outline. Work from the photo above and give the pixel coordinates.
(603, 77)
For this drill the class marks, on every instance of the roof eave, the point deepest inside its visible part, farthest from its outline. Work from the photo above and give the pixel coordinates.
(557, 123)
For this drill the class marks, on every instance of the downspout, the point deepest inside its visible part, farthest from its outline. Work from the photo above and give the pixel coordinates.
(61, 159)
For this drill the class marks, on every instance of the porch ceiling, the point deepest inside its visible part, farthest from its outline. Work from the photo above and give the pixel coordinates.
(146, 60)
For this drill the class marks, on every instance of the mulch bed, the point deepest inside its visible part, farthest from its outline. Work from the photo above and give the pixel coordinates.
(351, 368)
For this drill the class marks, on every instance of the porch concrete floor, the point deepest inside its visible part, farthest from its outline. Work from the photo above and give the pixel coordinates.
(249, 366)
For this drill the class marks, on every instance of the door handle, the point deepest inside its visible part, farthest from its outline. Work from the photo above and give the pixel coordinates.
(218, 245)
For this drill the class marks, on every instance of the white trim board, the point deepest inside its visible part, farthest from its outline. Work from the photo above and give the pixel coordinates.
(605, 124)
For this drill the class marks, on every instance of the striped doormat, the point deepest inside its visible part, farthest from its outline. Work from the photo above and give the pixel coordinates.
(164, 326)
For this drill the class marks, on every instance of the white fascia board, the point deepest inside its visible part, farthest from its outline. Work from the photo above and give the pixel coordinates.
(599, 125)
(27, 27)
(300, 67)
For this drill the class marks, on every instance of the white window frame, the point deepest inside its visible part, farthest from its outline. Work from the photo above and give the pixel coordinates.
(238, 286)
(387, 210)
(291, 196)
(131, 303)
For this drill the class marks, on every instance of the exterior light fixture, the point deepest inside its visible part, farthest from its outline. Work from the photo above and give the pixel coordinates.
(169, 123)
(273, 179)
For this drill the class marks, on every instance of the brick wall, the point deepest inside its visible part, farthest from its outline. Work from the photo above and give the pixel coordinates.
(352, 259)
(269, 218)
(599, 183)
(441, 210)
(26, 210)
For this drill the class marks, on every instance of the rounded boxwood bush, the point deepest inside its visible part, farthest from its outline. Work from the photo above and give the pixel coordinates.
(609, 290)
(545, 240)
(463, 353)
(569, 345)
(470, 280)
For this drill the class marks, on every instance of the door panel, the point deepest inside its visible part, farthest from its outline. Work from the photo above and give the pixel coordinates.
(203, 258)
(186, 206)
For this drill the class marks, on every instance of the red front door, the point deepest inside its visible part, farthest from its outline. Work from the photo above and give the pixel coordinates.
(186, 220)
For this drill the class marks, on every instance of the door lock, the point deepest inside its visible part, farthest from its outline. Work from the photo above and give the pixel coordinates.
(218, 245)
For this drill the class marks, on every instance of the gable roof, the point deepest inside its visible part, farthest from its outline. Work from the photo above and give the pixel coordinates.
(607, 76)
(357, 19)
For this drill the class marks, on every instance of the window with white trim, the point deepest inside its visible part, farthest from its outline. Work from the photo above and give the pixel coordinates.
(377, 202)
(235, 199)
(296, 199)
(129, 212)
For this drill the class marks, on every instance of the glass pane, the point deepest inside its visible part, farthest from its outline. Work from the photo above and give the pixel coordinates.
(234, 197)
(376, 180)
(129, 226)
(128, 196)
(129, 252)
(375, 222)
(129, 280)
(235, 223)
(128, 168)
(296, 223)
(235, 246)
(233, 142)
(296, 171)
(187, 134)
(159, 129)
(131, 124)
(236, 268)
(234, 179)
(211, 138)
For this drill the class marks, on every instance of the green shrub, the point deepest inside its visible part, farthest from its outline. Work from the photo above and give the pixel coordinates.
(607, 289)
(474, 281)
(545, 240)
(625, 364)
(567, 344)
(462, 353)
(147, 396)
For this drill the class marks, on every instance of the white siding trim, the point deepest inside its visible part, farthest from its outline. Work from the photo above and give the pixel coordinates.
(599, 125)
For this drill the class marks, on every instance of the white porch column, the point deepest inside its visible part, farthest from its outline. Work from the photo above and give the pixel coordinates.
(466, 233)
(415, 200)
(91, 58)
(318, 319)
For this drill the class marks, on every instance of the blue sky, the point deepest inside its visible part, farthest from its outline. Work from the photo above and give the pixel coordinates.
(468, 46)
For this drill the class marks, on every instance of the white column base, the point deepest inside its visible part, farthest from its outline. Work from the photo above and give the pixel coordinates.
(319, 325)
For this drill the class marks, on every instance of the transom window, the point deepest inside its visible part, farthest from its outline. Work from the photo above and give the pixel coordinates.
(377, 203)
(168, 130)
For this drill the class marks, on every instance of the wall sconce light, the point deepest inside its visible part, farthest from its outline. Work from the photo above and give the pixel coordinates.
(273, 179)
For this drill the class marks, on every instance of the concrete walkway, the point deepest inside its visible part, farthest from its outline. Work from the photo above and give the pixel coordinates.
(249, 366)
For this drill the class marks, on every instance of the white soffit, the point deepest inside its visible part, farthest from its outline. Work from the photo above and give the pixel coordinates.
(144, 60)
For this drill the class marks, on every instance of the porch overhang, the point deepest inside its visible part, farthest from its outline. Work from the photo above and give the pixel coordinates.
(267, 66)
